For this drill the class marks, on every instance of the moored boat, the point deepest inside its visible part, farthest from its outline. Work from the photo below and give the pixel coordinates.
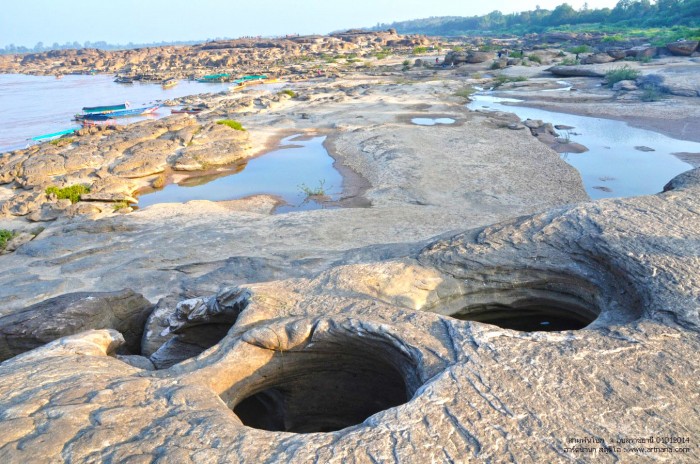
(123, 80)
(105, 109)
(168, 83)
(120, 113)
(52, 135)
(221, 77)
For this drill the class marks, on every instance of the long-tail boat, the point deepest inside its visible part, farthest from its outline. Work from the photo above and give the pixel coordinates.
(221, 77)
(170, 82)
(105, 109)
(119, 113)
(52, 135)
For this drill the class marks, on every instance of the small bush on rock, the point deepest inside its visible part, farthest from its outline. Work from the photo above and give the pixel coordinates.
(5, 236)
(623, 73)
(232, 124)
(72, 192)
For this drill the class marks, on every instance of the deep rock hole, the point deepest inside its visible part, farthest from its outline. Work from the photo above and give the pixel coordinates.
(325, 391)
(530, 310)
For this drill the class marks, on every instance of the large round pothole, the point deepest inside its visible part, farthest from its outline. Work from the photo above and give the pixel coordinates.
(327, 386)
(528, 310)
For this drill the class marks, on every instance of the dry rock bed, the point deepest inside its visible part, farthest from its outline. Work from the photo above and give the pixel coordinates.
(401, 331)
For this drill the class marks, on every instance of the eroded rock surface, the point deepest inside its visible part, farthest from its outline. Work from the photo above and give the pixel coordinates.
(368, 357)
(125, 311)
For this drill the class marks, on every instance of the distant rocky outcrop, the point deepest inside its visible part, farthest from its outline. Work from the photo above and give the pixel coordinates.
(243, 56)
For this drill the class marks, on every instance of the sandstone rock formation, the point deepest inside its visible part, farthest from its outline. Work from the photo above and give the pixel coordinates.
(363, 362)
(682, 48)
(239, 56)
(71, 313)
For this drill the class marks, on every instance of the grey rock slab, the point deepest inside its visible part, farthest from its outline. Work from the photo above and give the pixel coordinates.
(71, 313)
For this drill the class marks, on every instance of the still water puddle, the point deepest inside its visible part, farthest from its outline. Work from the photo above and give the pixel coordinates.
(299, 167)
(613, 166)
(432, 121)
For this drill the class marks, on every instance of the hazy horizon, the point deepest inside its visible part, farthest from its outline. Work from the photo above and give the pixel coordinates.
(48, 21)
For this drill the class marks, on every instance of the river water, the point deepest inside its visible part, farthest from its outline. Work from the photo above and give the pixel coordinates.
(616, 164)
(36, 105)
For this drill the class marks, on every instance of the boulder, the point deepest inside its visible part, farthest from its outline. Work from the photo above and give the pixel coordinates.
(625, 85)
(682, 48)
(72, 313)
(597, 58)
(617, 53)
(575, 71)
(479, 57)
(642, 51)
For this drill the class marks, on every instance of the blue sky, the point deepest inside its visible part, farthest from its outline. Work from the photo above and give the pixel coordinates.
(26, 22)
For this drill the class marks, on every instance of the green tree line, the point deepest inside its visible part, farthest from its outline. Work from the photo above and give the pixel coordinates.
(626, 13)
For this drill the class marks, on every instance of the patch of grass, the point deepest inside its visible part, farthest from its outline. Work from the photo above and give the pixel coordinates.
(420, 50)
(622, 73)
(120, 205)
(495, 65)
(651, 93)
(62, 142)
(501, 79)
(232, 124)
(5, 236)
(289, 92)
(465, 92)
(477, 75)
(385, 52)
(613, 38)
(579, 49)
(72, 192)
(319, 191)
(569, 62)
(535, 58)
(516, 55)
(457, 48)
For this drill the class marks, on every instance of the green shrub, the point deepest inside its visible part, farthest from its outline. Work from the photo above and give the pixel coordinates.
(5, 236)
(457, 48)
(419, 50)
(406, 63)
(120, 205)
(289, 92)
(72, 192)
(651, 93)
(465, 92)
(232, 124)
(515, 55)
(501, 79)
(535, 58)
(622, 73)
(569, 62)
(613, 38)
(579, 49)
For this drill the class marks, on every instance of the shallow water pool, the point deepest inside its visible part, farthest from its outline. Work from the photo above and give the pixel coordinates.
(298, 167)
